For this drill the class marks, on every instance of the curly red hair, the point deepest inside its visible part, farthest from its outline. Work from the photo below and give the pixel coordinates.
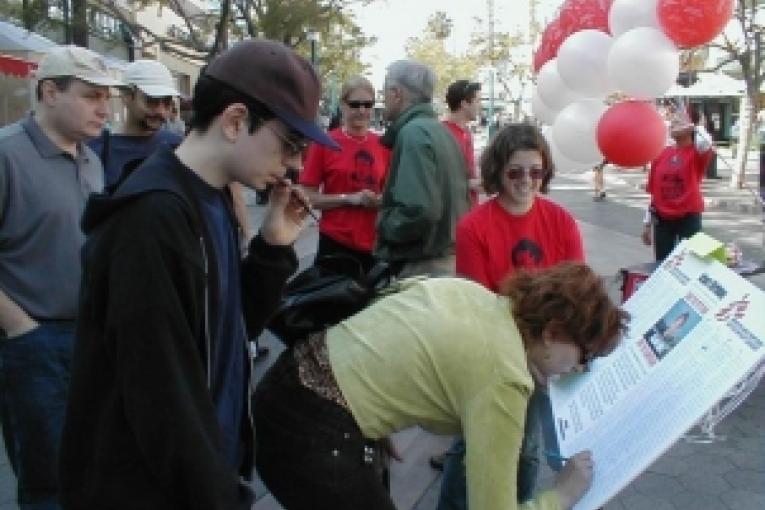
(573, 298)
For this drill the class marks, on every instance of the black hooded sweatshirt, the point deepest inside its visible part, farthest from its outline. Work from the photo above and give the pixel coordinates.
(141, 430)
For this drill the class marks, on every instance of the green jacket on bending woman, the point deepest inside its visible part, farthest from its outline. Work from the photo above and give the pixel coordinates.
(426, 192)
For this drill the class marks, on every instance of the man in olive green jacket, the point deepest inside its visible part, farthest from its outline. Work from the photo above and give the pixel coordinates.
(426, 192)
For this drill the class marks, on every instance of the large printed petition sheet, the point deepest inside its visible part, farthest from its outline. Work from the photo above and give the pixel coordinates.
(697, 329)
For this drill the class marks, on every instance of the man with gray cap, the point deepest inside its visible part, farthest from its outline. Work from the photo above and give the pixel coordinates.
(46, 174)
(148, 96)
(427, 188)
(158, 414)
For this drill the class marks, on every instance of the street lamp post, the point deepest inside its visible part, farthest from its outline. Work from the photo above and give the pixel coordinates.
(313, 39)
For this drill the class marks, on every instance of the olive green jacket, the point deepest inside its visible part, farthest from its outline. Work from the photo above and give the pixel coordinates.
(426, 192)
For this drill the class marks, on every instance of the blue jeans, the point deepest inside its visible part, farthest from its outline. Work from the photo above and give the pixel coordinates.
(539, 412)
(34, 378)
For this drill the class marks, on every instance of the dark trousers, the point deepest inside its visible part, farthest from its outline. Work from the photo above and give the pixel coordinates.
(34, 378)
(330, 247)
(309, 451)
(667, 233)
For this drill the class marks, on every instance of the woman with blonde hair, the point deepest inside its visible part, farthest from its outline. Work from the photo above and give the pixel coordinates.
(346, 185)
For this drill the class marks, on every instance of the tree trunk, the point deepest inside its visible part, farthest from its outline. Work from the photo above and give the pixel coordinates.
(221, 32)
(80, 23)
(746, 125)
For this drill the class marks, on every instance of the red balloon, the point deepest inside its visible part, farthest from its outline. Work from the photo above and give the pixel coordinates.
(539, 60)
(552, 38)
(576, 15)
(631, 133)
(692, 23)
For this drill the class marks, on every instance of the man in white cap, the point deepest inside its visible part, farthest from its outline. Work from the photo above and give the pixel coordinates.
(46, 175)
(148, 96)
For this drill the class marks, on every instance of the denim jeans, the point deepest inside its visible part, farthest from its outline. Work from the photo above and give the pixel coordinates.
(34, 378)
(539, 412)
(309, 451)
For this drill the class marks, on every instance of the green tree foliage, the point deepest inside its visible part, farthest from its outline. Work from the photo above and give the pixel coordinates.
(340, 38)
(210, 31)
(430, 49)
(501, 52)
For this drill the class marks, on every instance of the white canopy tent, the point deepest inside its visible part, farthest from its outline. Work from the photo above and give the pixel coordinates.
(710, 85)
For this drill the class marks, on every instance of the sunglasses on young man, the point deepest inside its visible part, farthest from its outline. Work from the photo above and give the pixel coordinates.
(515, 172)
(358, 104)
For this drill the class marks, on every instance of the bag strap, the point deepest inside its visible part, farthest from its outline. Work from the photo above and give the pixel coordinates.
(327, 261)
(380, 272)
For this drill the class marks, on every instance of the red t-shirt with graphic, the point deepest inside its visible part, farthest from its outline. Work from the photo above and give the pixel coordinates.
(674, 181)
(492, 243)
(361, 163)
(465, 141)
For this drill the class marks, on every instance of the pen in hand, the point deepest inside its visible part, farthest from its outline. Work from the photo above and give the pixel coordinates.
(555, 456)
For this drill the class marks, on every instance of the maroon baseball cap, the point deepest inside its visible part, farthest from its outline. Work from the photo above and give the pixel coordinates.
(275, 75)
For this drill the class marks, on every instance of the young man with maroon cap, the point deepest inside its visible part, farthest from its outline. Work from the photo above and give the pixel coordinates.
(158, 414)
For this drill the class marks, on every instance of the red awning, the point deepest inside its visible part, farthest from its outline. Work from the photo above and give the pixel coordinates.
(15, 66)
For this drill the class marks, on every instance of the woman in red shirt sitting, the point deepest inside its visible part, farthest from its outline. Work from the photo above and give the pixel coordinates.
(516, 228)
(346, 185)
(674, 183)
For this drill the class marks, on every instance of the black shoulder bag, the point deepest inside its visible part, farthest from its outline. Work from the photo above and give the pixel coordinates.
(331, 290)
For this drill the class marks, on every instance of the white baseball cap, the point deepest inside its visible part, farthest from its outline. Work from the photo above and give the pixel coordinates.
(77, 62)
(151, 77)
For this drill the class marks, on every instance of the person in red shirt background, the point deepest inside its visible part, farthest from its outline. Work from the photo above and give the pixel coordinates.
(674, 183)
(464, 103)
(515, 229)
(346, 185)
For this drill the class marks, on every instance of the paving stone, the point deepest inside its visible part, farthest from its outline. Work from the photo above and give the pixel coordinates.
(747, 460)
(746, 479)
(744, 500)
(697, 501)
(645, 502)
(704, 483)
(671, 466)
(708, 464)
(650, 483)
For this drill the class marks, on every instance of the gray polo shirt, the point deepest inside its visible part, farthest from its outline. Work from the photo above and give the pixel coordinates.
(43, 191)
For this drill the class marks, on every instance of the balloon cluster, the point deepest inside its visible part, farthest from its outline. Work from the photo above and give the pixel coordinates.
(599, 50)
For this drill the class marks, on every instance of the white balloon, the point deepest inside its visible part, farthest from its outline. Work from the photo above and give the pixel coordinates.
(562, 163)
(628, 14)
(574, 131)
(552, 91)
(542, 112)
(643, 63)
(583, 63)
